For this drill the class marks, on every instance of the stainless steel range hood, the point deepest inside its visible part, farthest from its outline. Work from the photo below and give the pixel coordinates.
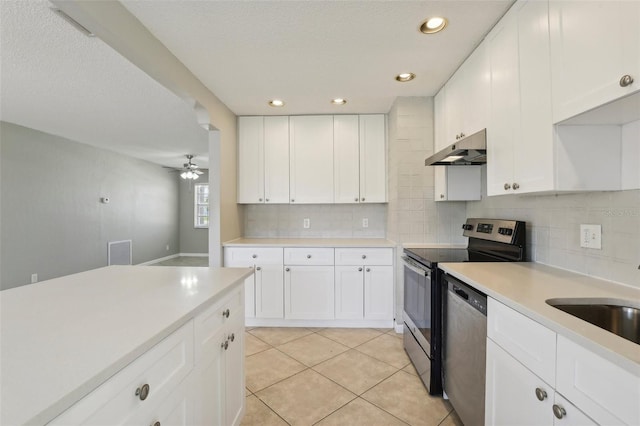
(470, 150)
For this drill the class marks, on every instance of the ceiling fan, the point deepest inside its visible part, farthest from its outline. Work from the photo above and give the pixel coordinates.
(190, 170)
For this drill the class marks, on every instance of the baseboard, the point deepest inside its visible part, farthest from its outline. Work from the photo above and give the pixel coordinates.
(161, 259)
(193, 254)
(280, 322)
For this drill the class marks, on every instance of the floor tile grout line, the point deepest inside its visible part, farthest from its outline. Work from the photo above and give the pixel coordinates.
(271, 409)
(367, 341)
(339, 408)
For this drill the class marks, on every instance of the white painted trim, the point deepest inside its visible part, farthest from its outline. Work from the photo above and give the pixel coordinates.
(161, 259)
(279, 322)
(193, 254)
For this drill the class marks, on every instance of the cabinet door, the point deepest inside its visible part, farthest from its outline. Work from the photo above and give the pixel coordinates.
(440, 120)
(234, 387)
(455, 107)
(462, 183)
(378, 292)
(311, 159)
(250, 296)
(250, 159)
(373, 159)
(309, 292)
(209, 381)
(440, 183)
(571, 415)
(349, 292)
(276, 160)
(346, 145)
(476, 87)
(504, 121)
(511, 397)
(533, 152)
(269, 291)
(587, 63)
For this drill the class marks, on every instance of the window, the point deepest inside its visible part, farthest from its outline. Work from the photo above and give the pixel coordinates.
(201, 205)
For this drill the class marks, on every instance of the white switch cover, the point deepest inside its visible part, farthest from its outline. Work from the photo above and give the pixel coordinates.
(306, 223)
(365, 222)
(34, 278)
(591, 236)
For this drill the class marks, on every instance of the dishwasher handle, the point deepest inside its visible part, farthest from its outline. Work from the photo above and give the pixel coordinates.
(460, 292)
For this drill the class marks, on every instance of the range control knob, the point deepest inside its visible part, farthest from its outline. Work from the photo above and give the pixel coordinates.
(467, 227)
(505, 231)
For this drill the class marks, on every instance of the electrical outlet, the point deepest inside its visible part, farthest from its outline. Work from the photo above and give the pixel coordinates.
(365, 222)
(306, 223)
(34, 278)
(591, 236)
(167, 247)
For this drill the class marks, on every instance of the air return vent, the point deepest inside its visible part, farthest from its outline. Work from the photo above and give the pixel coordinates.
(119, 253)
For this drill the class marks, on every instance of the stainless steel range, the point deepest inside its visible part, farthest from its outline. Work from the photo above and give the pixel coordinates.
(490, 240)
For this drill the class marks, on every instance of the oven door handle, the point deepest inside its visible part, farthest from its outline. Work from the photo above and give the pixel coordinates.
(416, 267)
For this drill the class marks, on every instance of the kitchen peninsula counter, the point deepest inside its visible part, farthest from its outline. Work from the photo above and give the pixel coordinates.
(64, 337)
(525, 287)
(310, 242)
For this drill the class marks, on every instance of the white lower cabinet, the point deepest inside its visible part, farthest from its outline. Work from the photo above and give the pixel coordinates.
(378, 292)
(349, 292)
(308, 292)
(219, 374)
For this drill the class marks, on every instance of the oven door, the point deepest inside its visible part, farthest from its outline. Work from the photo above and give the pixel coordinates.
(417, 302)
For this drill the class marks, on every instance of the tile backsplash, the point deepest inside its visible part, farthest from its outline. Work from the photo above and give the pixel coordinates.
(326, 221)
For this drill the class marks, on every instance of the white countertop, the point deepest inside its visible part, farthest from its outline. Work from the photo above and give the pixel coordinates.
(310, 242)
(526, 286)
(62, 338)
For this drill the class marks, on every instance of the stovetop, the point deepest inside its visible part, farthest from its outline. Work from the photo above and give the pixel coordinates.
(432, 256)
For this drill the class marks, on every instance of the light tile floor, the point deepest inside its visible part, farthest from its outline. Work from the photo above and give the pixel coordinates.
(335, 376)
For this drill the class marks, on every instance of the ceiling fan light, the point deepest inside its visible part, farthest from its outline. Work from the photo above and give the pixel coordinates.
(183, 175)
(195, 176)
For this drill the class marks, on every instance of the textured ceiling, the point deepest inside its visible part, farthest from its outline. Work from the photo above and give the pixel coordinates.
(307, 52)
(57, 80)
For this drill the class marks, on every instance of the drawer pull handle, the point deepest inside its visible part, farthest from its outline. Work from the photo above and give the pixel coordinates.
(287, 269)
(368, 269)
(626, 80)
(258, 268)
(359, 269)
(156, 424)
(541, 394)
(232, 337)
(308, 256)
(143, 392)
(254, 255)
(364, 256)
(226, 313)
(558, 411)
(507, 187)
(225, 345)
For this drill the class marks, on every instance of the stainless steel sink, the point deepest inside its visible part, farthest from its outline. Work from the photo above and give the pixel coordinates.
(621, 317)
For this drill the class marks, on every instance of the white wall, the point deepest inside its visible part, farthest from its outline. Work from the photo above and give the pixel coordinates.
(192, 240)
(53, 222)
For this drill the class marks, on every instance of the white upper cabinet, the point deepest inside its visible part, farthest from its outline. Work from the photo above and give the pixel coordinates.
(520, 154)
(250, 159)
(373, 159)
(360, 158)
(263, 160)
(594, 44)
(311, 159)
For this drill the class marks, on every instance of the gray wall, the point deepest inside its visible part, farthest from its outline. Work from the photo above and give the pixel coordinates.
(192, 240)
(52, 221)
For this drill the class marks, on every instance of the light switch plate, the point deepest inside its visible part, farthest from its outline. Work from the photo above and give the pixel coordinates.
(306, 223)
(365, 222)
(591, 236)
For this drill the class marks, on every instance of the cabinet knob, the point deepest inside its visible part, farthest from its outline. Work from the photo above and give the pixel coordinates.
(368, 269)
(356, 200)
(143, 392)
(507, 187)
(293, 201)
(462, 135)
(516, 186)
(232, 337)
(308, 256)
(266, 200)
(254, 255)
(362, 199)
(558, 411)
(258, 268)
(457, 137)
(359, 269)
(626, 80)
(260, 199)
(225, 345)
(441, 196)
(541, 394)
(287, 269)
(364, 256)
(226, 313)
(155, 424)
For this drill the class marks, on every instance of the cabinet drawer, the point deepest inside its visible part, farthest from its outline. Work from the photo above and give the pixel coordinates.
(364, 256)
(115, 402)
(604, 391)
(249, 256)
(308, 256)
(208, 323)
(526, 340)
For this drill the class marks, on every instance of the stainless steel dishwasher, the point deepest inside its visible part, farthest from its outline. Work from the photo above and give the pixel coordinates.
(465, 347)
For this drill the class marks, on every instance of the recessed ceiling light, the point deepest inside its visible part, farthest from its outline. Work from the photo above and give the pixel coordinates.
(338, 101)
(276, 103)
(433, 25)
(406, 76)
